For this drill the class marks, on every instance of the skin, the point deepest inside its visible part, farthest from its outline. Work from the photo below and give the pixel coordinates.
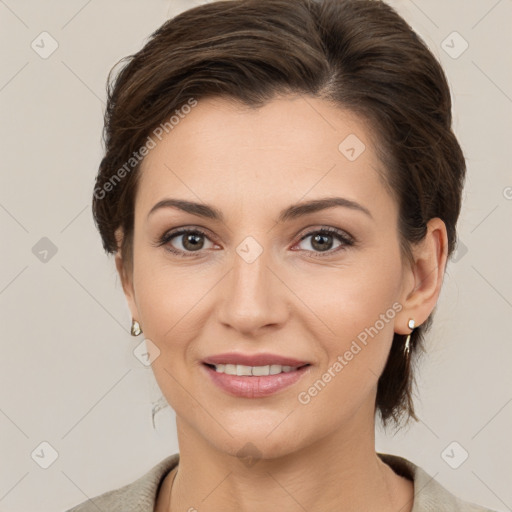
(251, 164)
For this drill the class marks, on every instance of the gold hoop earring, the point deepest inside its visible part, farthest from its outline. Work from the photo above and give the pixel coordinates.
(407, 347)
(135, 330)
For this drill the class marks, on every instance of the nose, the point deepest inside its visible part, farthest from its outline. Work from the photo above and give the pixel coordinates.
(253, 297)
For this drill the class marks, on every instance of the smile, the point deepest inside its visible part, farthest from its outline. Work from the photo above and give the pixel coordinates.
(254, 381)
(243, 370)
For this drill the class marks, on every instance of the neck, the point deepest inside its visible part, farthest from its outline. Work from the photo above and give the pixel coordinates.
(339, 472)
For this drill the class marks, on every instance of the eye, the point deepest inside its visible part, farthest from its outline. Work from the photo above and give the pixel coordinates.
(323, 239)
(185, 242)
(190, 240)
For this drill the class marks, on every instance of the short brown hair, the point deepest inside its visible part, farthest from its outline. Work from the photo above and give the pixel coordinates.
(358, 54)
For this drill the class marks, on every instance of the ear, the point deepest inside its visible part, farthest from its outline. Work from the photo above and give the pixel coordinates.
(125, 272)
(424, 278)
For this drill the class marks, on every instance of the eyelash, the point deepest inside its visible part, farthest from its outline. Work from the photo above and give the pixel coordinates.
(347, 241)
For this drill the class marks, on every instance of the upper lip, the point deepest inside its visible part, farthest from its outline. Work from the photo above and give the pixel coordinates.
(253, 359)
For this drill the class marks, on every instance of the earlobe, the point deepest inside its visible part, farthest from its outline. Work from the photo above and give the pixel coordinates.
(426, 276)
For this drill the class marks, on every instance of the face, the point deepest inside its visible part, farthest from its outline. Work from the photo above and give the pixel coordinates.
(252, 275)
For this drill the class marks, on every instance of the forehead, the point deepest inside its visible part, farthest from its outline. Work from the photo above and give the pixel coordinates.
(292, 146)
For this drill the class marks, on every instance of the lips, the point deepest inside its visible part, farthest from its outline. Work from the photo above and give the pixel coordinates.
(254, 375)
(263, 359)
(254, 386)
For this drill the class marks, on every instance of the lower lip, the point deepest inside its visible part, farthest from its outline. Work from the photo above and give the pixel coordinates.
(255, 387)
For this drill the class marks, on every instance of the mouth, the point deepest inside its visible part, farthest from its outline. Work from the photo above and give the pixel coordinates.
(253, 360)
(241, 370)
(254, 376)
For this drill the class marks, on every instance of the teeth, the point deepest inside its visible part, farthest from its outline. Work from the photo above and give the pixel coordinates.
(242, 370)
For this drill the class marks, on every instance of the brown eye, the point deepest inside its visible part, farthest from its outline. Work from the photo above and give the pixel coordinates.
(323, 240)
(184, 242)
(192, 241)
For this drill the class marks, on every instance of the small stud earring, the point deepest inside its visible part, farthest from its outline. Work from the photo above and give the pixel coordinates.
(135, 330)
(407, 348)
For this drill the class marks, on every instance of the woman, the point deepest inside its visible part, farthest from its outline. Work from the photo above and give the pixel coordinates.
(281, 188)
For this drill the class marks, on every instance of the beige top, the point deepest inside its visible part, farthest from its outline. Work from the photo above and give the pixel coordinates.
(140, 495)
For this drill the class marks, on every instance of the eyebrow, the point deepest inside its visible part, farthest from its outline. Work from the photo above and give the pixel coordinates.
(292, 212)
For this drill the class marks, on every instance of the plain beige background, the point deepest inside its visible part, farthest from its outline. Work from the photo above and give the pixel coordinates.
(68, 375)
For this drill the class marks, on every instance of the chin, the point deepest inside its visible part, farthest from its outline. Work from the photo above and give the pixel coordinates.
(249, 451)
(257, 442)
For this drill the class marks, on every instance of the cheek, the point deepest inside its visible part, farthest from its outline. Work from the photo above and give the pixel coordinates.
(358, 310)
(166, 294)
(344, 386)
(354, 297)
(166, 305)
(171, 300)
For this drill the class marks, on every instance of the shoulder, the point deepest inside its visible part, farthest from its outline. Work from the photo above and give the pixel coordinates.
(429, 495)
(138, 496)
